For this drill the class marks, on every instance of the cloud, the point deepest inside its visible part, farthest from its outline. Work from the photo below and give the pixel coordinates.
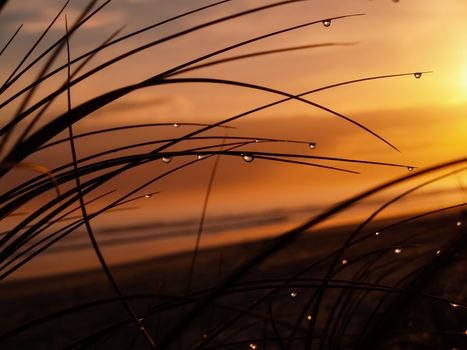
(142, 107)
(140, 103)
(38, 15)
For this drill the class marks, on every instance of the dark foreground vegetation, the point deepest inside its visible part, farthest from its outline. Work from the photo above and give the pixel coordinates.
(377, 296)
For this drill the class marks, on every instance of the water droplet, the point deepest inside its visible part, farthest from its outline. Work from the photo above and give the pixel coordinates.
(309, 317)
(459, 223)
(417, 75)
(454, 305)
(409, 168)
(247, 158)
(327, 22)
(205, 336)
(176, 125)
(397, 250)
(344, 262)
(293, 294)
(148, 195)
(252, 346)
(312, 145)
(377, 233)
(167, 159)
(202, 156)
(438, 252)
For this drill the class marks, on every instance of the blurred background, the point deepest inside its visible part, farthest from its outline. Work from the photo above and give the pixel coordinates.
(424, 118)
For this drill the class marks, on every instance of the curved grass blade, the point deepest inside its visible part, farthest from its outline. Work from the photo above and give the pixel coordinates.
(267, 89)
(47, 105)
(21, 116)
(288, 237)
(62, 217)
(134, 126)
(110, 43)
(203, 216)
(56, 236)
(57, 125)
(60, 44)
(139, 159)
(349, 240)
(305, 163)
(257, 109)
(33, 47)
(84, 213)
(175, 70)
(186, 300)
(254, 54)
(36, 168)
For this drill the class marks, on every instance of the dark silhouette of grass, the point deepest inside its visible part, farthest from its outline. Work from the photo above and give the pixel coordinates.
(92, 237)
(350, 296)
(11, 39)
(58, 47)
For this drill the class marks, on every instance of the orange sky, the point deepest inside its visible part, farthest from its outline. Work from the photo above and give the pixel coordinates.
(425, 118)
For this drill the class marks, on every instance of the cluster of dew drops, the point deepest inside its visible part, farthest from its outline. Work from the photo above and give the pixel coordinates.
(248, 158)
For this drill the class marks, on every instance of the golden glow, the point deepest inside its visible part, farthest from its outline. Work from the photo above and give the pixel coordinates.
(424, 118)
(463, 80)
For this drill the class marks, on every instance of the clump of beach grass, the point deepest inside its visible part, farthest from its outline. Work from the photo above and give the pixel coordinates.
(353, 296)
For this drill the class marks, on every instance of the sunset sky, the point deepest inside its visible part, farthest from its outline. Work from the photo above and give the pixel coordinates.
(425, 118)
